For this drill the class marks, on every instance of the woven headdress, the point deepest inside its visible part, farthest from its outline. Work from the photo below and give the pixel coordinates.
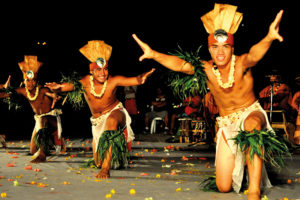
(221, 23)
(97, 52)
(30, 67)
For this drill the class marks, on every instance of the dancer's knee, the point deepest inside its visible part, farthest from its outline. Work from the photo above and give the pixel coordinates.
(256, 121)
(223, 186)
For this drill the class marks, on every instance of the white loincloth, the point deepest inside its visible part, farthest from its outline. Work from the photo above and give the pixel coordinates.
(38, 126)
(99, 125)
(230, 125)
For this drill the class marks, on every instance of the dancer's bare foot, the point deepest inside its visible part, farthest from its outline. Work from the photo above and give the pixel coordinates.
(39, 159)
(103, 173)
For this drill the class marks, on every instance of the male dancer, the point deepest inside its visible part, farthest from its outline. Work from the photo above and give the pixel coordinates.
(47, 130)
(231, 83)
(109, 117)
(4, 86)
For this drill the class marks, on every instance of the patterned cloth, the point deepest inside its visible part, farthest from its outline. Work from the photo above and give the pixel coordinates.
(230, 125)
(99, 125)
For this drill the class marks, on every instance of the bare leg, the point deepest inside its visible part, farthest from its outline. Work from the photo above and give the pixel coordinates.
(105, 167)
(256, 121)
(33, 150)
(224, 166)
(97, 163)
(116, 119)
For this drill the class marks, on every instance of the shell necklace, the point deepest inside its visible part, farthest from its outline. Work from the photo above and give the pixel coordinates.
(92, 90)
(230, 76)
(28, 93)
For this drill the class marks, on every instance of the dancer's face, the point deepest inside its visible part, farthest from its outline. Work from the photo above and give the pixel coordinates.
(221, 53)
(30, 84)
(100, 74)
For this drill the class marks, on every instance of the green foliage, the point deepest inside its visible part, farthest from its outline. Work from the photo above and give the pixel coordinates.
(89, 163)
(184, 85)
(265, 144)
(75, 97)
(116, 140)
(44, 139)
(14, 99)
(209, 184)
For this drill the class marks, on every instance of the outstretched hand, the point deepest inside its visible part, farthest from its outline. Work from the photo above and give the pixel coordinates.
(148, 52)
(145, 75)
(53, 86)
(7, 83)
(274, 28)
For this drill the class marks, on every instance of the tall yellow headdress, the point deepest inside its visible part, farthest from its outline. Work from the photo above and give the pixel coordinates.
(30, 67)
(97, 52)
(221, 23)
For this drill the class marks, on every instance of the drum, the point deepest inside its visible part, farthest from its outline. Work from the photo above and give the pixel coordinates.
(184, 129)
(199, 130)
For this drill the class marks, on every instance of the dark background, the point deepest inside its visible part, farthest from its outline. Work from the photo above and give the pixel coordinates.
(163, 25)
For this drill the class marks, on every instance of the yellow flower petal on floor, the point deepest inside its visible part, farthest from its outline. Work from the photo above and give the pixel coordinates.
(113, 191)
(108, 196)
(3, 195)
(265, 197)
(132, 191)
(178, 189)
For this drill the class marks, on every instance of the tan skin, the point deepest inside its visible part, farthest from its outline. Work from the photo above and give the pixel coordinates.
(44, 103)
(100, 106)
(229, 100)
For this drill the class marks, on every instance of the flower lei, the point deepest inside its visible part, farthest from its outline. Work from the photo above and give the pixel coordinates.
(28, 93)
(230, 76)
(93, 88)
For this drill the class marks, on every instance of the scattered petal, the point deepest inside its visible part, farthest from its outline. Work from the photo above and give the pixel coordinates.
(66, 183)
(144, 174)
(28, 167)
(173, 173)
(108, 196)
(37, 170)
(265, 197)
(10, 165)
(3, 195)
(157, 176)
(16, 183)
(113, 191)
(132, 191)
(178, 189)
(184, 158)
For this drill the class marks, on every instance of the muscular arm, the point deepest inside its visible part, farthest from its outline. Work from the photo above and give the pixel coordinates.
(257, 51)
(60, 87)
(169, 61)
(130, 81)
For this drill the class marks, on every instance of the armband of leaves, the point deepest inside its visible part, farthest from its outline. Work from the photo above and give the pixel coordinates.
(75, 97)
(184, 85)
(14, 99)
